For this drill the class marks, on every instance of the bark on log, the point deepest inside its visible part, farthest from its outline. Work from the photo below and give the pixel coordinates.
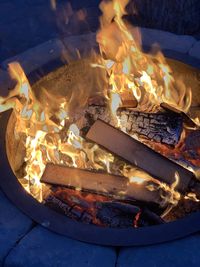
(138, 154)
(118, 187)
(160, 127)
(163, 127)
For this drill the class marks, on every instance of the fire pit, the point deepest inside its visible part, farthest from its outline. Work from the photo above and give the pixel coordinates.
(105, 149)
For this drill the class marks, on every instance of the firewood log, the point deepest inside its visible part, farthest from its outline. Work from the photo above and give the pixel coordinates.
(162, 127)
(118, 187)
(139, 155)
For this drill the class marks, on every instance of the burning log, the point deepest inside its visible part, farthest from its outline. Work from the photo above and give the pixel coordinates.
(71, 210)
(160, 127)
(94, 209)
(150, 217)
(139, 154)
(118, 187)
(116, 214)
(165, 127)
(120, 214)
(186, 119)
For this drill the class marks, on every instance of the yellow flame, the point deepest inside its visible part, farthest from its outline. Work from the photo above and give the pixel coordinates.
(52, 135)
(149, 78)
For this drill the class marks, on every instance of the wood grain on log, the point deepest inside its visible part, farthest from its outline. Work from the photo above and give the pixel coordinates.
(138, 154)
(119, 187)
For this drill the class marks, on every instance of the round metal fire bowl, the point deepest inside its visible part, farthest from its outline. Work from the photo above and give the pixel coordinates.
(81, 231)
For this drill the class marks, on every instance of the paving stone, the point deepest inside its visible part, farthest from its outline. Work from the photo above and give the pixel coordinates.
(179, 253)
(13, 226)
(38, 56)
(195, 50)
(45, 249)
(167, 40)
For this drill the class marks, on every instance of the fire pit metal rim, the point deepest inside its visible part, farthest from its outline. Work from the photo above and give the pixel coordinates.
(86, 232)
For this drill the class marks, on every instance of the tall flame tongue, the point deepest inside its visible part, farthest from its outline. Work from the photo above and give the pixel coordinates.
(149, 79)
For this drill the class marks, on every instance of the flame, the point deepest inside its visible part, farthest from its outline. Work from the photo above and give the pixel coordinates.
(147, 77)
(50, 128)
(171, 195)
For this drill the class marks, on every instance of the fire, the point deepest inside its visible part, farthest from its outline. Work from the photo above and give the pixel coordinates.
(50, 130)
(148, 78)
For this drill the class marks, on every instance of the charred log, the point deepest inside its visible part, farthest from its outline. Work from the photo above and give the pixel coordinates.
(138, 154)
(150, 217)
(160, 127)
(69, 209)
(103, 212)
(165, 127)
(116, 214)
(186, 119)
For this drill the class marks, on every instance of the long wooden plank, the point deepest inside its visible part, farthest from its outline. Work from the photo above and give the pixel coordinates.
(138, 154)
(118, 187)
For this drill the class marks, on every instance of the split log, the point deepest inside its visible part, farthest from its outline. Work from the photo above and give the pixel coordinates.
(160, 127)
(139, 154)
(117, 187)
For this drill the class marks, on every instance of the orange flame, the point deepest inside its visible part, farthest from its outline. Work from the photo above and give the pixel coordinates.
(148, 78)
(52, 135)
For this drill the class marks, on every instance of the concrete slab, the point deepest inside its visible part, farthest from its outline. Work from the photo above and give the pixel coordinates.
(174, 254)
(46, 249)
(13, 226)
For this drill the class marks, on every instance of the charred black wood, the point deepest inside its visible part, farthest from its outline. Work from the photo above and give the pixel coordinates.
(186, 119)
(151, 217)
(57, 205)
(108, 213)
(139, 154)
(165, 127)
(115, 214)
(160, 127)
(73, 211)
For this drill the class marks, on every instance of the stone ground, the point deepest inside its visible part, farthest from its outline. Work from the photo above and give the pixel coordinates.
(25, 244)
(23, 25)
